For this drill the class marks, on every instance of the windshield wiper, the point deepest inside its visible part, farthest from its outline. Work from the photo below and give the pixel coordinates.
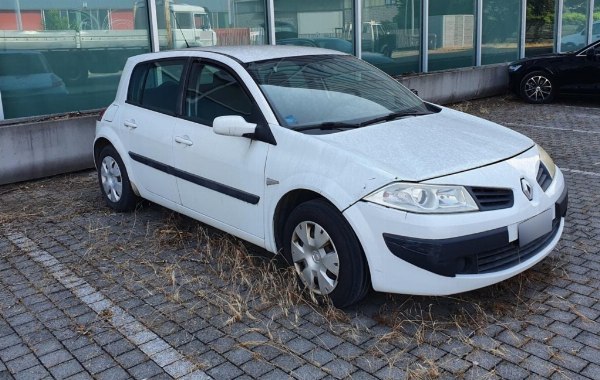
(393, 116)
(327, 126)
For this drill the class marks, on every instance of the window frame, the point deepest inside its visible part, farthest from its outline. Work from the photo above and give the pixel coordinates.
(256, 111)
(147, 65)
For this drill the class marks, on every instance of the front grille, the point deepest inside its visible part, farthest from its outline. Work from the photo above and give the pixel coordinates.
(543, 177)
(489, 198)
(511, 254)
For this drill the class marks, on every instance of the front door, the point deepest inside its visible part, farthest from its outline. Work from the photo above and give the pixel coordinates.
(220, 177)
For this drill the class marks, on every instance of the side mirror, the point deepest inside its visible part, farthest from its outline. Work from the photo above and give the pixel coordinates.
(233, 126)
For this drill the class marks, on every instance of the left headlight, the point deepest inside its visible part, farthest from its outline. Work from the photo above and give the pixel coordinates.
(424, 199)
(513, 68)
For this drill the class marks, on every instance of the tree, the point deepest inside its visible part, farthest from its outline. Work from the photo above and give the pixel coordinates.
(53, 21)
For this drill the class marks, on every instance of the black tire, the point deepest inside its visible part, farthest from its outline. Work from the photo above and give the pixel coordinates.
(352, 280)
(111, 168)
(537, 87)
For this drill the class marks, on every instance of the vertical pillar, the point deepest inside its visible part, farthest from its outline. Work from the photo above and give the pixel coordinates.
(357, 28)
(18, 15)
(590, 21)
(424, 35)
(558, 26)
(523, 29)
(478, 30)
(153, 26)
(271, 21)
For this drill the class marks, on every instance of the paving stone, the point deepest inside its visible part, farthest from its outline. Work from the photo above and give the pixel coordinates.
(66, 369)
(99, 364)
(308, 372)
(338, 368)
(256, 368)
(55, 357)
(145, 370)
(14, 352)
(33, 373)
(511, 371)
(238, 356)
(539, 366)
(21, 363)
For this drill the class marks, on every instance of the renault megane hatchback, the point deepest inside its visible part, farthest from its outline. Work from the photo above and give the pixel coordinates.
(320, 157)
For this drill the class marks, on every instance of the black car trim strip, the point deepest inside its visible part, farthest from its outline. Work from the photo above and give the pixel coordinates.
(200, 181)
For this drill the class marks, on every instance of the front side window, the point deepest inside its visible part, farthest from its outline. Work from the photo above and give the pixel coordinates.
(155, 85)
(212, 92)
(311, 90)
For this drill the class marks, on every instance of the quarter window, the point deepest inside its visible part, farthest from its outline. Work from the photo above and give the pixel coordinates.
(213, 92)
(155, 85)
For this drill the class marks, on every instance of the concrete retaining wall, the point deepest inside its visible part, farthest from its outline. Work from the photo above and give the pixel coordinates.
(452, 86)
(35, 149)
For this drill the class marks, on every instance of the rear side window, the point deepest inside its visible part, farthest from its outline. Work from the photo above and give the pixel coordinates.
(155, 85)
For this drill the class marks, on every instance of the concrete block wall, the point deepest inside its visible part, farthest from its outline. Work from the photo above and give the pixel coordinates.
(444, 87)
(34, 149)
(38, 149)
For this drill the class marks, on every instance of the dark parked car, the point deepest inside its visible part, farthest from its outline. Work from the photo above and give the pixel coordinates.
(539, 79)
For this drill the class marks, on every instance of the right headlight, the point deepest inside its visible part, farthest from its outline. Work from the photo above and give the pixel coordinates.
(424, 199)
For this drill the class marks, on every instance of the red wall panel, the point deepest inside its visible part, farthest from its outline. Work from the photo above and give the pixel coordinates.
(121, 20)
(32, 20)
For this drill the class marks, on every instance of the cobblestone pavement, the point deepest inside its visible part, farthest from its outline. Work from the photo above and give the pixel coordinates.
(87, 293)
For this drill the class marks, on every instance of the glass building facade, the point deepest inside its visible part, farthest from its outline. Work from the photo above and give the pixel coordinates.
(61, 56)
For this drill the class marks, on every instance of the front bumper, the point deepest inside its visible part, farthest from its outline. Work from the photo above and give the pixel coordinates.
(453, 253)
(484, 252)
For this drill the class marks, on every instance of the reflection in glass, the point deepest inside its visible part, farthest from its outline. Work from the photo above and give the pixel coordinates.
(227, 22)
(539, 30)
(315, 23)
(451, 34)
(596, 25)
(64, 59)
(500, 31)
(391, 35)
(574, 25)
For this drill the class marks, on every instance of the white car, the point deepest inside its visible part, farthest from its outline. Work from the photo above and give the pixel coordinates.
(321, 157)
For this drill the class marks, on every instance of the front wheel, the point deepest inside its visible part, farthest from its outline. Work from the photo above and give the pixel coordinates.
(326, 253)
(537, 87)
(114, 181)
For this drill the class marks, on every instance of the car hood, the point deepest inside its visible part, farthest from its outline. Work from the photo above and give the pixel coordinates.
(425, 147)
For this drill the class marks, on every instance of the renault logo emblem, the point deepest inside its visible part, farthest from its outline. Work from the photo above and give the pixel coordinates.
(527, 189)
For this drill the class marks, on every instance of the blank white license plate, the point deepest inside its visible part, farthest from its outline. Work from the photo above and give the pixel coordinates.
(535, 227)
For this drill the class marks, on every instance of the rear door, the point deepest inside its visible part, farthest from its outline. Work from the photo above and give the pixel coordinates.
(149, 115)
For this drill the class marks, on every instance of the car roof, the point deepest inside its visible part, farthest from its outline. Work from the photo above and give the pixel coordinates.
(253, 53)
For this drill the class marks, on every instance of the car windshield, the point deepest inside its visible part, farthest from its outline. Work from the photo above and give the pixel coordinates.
(331, 89)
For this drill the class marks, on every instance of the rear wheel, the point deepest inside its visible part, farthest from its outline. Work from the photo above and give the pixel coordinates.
(114, 181)
(537, 87)
(326, 253)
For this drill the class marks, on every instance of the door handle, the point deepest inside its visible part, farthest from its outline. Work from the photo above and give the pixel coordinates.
(130, 124)
(184, 140)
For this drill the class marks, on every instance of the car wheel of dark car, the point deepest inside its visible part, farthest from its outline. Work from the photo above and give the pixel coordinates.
(537, 87)
(114, 181)
(326, 253)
